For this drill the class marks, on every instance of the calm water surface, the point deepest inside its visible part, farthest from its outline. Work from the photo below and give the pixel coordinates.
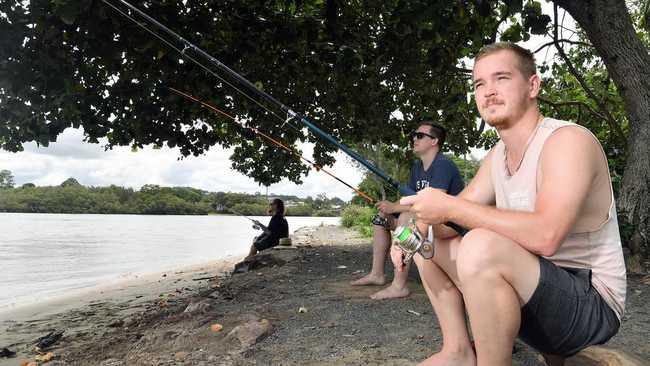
(46, 254)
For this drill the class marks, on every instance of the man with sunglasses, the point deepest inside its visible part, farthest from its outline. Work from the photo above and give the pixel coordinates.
(432, 169)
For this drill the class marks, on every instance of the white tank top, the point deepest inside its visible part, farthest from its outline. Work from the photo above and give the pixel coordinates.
(598, 250)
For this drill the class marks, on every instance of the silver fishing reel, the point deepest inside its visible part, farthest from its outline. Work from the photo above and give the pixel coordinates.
(409, 239)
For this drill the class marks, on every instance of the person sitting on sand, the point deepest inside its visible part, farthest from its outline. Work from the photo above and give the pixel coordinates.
(543, 259)
(278, 228)
(432, 169)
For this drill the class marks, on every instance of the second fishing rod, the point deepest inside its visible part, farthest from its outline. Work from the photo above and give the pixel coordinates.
(187, 45)
(403, 189)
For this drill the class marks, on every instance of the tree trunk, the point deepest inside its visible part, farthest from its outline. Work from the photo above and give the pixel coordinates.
(608, 25)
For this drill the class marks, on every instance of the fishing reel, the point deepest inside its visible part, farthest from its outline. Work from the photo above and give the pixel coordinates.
(381, 221)
(257, 225)
(410, 241)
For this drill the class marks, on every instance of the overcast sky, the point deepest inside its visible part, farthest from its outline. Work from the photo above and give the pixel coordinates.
(92, 166)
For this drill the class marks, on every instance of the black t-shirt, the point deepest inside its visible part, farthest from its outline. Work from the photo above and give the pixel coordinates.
(442, 174)
(279, 228)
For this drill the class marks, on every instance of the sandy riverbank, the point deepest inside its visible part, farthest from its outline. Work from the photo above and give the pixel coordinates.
(295, 308)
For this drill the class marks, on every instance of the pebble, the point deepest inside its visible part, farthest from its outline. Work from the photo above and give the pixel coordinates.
(180, 356)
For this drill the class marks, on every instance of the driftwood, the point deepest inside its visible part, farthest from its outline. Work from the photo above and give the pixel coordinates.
(604, 356)
(601, 356)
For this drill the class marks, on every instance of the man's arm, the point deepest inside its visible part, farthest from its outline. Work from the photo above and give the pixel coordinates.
(569, 164)
(479, 190)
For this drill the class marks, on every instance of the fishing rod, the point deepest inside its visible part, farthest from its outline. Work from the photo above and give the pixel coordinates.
(273, 141)
(403, 189)
(187, 45)
(258, 225)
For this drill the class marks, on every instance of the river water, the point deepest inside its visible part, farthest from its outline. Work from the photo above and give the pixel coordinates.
(43, 255)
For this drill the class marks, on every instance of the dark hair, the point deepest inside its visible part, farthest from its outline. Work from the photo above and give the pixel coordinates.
(279, 205)
(436, 130)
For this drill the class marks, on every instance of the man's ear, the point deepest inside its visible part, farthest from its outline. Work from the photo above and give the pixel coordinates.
(535, 84)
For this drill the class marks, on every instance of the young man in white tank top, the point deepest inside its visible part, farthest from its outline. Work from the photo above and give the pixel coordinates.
(542, 259)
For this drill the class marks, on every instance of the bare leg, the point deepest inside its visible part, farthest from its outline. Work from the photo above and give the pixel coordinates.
(380, 246)
(498, 277)
(398, 287)
(447, 303)
(252, 251)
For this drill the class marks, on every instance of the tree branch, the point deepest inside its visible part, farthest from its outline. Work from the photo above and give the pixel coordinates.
(577, 43)
(613, 124)
(571, 103)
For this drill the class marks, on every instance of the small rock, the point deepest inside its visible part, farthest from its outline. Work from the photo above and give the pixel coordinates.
(112, 362)
(180, 356)
(201, 306)
(216, 327)
(116, 323)
(129, 321)
(44, 358)
(302, 310)
(252, 332)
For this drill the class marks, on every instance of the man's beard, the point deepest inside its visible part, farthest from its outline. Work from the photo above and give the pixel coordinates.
(496, 121)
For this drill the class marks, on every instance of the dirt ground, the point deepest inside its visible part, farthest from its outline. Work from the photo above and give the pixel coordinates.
(300, 305)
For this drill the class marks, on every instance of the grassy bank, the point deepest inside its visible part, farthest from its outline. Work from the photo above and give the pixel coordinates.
(358, 218)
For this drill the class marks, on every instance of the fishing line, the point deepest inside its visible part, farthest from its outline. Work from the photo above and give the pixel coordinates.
(197, 62)
(273, 141)
(404, 189)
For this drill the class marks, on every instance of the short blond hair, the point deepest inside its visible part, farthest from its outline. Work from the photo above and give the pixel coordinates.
(525, 57)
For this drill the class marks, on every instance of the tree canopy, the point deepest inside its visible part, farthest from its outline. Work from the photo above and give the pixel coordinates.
(6, 179)
(348, 66)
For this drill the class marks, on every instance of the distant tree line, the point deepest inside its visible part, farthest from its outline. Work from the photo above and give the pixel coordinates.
(72, 197)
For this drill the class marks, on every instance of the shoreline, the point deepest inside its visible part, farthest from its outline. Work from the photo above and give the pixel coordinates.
(120, 298)
(134, 284)
(290, 306)
(56, 293)
(21, 325)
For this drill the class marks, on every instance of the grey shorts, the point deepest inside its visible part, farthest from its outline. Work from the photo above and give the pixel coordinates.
(565, 313)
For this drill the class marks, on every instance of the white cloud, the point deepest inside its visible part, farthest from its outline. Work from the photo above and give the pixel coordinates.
(92, 166)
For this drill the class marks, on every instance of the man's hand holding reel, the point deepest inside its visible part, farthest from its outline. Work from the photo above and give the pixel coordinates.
(413, 239)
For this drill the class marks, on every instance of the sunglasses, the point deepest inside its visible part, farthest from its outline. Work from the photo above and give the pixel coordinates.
(420, 135)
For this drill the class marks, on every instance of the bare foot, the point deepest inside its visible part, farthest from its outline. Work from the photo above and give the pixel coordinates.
(391, 292)
(369, 279)
(463, 358)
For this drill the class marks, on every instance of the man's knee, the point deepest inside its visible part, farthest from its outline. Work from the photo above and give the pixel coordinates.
(379, 231)
(478, 253)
